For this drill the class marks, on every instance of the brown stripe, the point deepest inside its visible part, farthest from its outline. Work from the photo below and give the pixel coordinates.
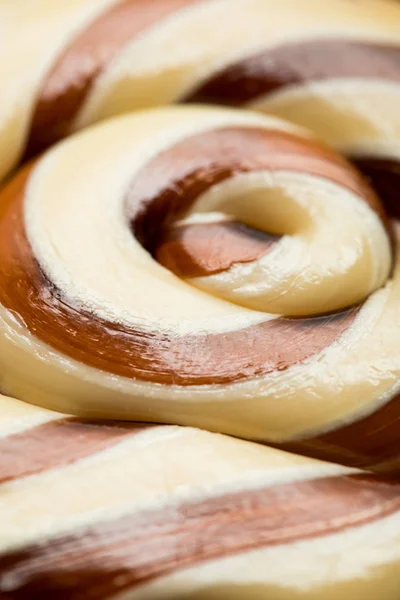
(201, 249)
(384, 175)
(75, 71)
(109, 557)
(174, 179)
(167, 185)
(295, 64)
(58, 443)
(368, 443)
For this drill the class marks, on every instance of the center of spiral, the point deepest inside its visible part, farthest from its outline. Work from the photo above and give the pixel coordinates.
(200, 249)
(264, 219)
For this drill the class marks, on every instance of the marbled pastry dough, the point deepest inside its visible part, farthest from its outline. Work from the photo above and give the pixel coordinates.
(141, 285)
(105, 510)
(332, 65)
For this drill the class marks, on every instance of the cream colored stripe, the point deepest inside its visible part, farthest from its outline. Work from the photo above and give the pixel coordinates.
(314, 268)
(16, 416)
(36, 32)
(353, 115)
(153, 468)
(8, 21)
(167, 60)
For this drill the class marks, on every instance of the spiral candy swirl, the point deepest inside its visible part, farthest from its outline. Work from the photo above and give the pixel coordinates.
(207, 267)
(288, 337)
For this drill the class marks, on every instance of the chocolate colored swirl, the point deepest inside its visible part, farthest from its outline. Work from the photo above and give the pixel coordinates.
(207, 267)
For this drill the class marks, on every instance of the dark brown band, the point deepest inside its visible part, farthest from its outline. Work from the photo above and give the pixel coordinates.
(74, 73)
(296, 64)
(58, 443)
(166, 186)
(372, 442)
(384, 176)
(198, 250)
(110, 557)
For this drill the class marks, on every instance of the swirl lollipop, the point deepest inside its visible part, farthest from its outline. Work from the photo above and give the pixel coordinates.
(206, 267)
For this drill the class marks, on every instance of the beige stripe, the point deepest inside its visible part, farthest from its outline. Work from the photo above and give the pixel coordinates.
(16, 416)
